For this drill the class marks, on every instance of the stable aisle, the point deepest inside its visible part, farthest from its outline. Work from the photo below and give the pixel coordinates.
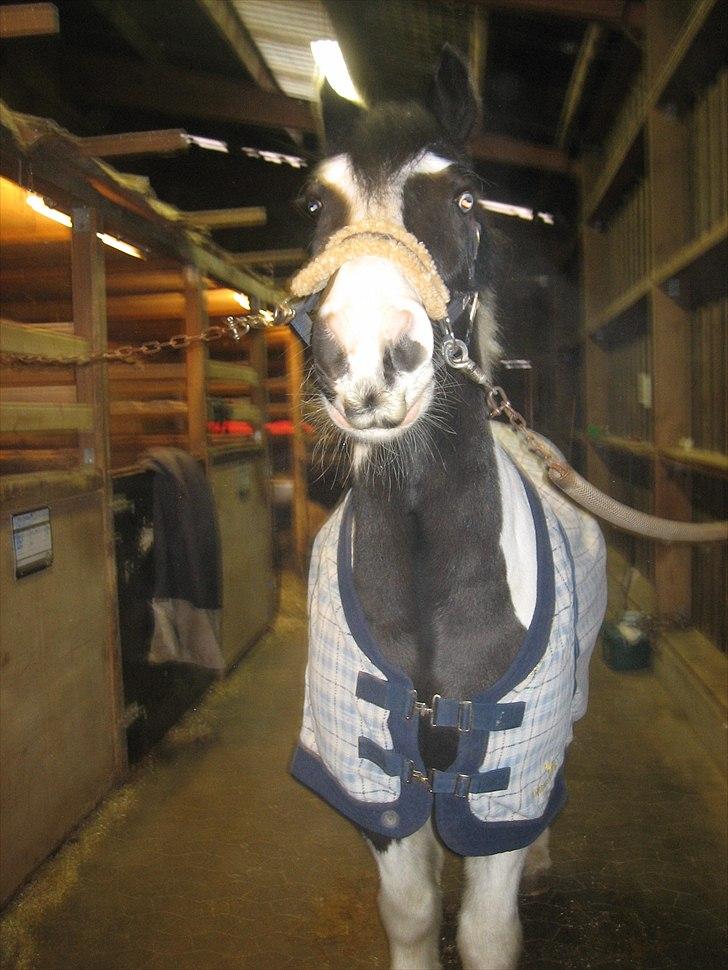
(212, 858)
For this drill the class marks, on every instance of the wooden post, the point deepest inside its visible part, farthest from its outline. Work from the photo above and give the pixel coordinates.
(196, 320)
(89, 315)
(294, 373)
(671, 401)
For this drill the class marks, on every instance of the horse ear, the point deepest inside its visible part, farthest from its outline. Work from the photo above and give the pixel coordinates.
(453, 100)
(339, 117)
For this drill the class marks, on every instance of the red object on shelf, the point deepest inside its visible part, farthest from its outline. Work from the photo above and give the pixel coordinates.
(285, 427)
(231, 427)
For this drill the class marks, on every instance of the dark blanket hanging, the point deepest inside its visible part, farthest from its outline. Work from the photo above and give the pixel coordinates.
(187, 588)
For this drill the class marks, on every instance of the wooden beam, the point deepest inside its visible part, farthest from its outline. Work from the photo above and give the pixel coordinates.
(28, 20)
(230, 27)
(510, 151)
(272, 257)
(223, 370)
(172, 91)
(45, 417)
(244, 216)
(614, 13)
(122, 20)
(577, 81)
(136, 143)
(478, 47)
(28, 339)
(196, 321)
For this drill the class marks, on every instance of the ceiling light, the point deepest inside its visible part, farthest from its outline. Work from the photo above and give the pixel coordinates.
(123, 247)
(276, 158)
(330, 62)
(211, 144)
(38, 204)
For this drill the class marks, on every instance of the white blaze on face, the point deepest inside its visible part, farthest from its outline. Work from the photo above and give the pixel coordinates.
(371, 308)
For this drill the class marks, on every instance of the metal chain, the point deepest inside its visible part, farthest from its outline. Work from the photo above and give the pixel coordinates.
(456, 356)
(235, 327)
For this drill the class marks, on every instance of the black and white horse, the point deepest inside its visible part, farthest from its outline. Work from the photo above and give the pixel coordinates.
(442, 613)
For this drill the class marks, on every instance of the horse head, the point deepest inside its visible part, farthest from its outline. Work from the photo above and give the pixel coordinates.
(399, 244)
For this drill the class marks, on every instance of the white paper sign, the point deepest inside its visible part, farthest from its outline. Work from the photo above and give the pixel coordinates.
(32, 541)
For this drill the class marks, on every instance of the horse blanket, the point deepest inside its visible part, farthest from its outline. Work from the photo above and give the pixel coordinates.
(358, 743)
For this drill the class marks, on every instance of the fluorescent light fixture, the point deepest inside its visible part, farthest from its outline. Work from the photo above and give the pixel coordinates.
(242, 299)
(518, 211)
(123, 247)
(276, 158)
(38, 204)
(210, 144)
(506, 209)
(330, 62)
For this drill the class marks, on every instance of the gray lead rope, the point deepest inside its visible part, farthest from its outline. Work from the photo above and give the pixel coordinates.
(563, 475)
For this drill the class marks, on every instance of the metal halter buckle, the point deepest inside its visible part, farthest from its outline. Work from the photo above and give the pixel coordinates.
(422, 709)
(412, 774)
(465, 717)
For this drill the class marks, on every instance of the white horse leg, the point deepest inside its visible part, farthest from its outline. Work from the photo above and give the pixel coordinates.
(489, 930)
(538, 862)
(409, 899)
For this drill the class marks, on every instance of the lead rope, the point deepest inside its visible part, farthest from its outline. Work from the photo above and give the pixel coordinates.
(563, 475)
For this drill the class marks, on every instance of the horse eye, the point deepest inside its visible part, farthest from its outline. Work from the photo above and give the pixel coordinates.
(466, 201)
(313, 206)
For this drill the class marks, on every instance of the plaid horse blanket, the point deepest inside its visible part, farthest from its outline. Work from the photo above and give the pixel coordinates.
(358, 742)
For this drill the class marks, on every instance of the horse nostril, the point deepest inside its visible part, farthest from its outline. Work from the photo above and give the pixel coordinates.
(404, 355)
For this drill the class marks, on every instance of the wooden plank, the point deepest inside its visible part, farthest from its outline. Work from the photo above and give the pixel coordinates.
(89, 314)
(143, 306)
(173, 91)
(222, 370)
(43, 394)
(299, 458)
(672, 420)
(36, 375)
(233, 218)
(159, 142)
(21, 461)
(30, 339)
(272, 257)
(615, 13)
(511, 151)
(28, 20)
(154, 408)
(147, 371)
(196, 320)
(236, 409)
(233, 31)
(574, 93)
(30, 416)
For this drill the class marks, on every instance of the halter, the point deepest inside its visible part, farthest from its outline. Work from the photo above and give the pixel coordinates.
(388, 240)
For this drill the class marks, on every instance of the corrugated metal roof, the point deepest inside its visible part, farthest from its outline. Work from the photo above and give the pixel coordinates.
(283, 32)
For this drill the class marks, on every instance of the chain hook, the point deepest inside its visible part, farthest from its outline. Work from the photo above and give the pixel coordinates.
(237, 327)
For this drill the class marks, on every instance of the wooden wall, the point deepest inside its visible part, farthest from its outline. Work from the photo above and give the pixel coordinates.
(655, 248)
(60, 741)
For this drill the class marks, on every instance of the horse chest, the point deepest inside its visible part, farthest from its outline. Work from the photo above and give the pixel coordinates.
(430, 571)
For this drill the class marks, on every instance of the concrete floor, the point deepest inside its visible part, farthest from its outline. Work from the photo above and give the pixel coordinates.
(211, 857)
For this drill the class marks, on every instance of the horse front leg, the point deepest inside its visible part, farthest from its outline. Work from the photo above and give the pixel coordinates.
(410, 901)
(489, 929)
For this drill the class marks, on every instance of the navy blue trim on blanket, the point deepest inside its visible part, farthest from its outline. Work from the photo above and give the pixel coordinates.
(397, 818)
